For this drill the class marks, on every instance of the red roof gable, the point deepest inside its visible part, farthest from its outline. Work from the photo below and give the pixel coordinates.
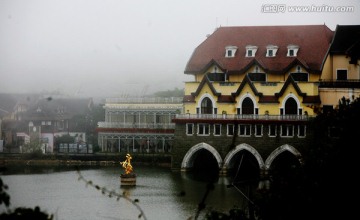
(313, 42)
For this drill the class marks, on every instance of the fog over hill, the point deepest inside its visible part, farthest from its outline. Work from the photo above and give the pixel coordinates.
(95, 48)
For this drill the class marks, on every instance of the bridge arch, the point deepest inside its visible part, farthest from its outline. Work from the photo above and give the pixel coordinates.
(188, 159)
(280, 150)
(239, 148)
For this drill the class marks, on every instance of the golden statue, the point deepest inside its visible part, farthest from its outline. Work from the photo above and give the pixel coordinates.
(127, 164)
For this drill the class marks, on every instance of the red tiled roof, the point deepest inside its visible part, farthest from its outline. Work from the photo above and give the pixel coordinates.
(313, 42)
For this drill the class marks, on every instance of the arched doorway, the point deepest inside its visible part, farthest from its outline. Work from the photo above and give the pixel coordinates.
(291, 107)
(247, 106)
(206, 106)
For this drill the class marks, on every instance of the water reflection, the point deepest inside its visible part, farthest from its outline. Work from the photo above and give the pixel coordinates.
(162, 194)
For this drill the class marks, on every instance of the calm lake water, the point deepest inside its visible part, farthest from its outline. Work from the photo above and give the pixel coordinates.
(162, 194)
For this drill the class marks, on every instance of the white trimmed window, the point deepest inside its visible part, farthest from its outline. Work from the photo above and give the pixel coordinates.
(272, 130)
(244, 130)
(287, 130)
(189, 129)
(302, 131)
(203, 129)
(230, 51)
(258, 130)
(250, 51)
(271, 50)
(217, 129)
(230, 129)
(292, 50)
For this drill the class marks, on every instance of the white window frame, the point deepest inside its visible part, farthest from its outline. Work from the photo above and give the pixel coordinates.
(251, 48)
(230, 51)
(246, 128)
(294, 48)
(299, 128)
(214, 132)
(275, 127)
(228, 129)
(272, 48)
(205, 128)
(288, 132)
(192, 129)
(261, 130)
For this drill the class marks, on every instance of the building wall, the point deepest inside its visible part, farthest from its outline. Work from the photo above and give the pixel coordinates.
(223, 144)
(331, 95)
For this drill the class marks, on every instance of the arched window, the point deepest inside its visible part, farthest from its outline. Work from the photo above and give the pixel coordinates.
(206, 106)
(247, 106)
(291, 107)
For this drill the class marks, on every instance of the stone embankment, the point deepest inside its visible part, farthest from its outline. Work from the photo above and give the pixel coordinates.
(49, 162)
(82, 160)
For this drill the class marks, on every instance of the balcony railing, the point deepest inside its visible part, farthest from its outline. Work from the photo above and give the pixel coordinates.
(146, 100)
(104, 124)
(244, 117)
(339, 83)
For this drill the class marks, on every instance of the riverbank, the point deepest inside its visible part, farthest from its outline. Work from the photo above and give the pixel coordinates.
(96, 159)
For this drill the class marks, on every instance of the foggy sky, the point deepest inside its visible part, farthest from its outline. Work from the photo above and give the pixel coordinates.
(111, 48)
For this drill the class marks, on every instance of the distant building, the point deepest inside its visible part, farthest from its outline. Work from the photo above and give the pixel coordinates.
(136, 124)
(43, 119)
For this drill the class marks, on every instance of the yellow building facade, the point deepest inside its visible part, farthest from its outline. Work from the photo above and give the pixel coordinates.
(255, 90)
(280, 76)
(340, 77)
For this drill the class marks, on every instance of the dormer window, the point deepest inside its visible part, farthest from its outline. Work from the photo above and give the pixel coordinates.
(271, 50)
(230, 51)
(298, 69)
(251, 51)
(292, 50)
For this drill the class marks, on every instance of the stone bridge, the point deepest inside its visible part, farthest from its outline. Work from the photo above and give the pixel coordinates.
(225, 151)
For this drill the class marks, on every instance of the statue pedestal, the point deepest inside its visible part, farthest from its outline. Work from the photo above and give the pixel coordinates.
(128, 179)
